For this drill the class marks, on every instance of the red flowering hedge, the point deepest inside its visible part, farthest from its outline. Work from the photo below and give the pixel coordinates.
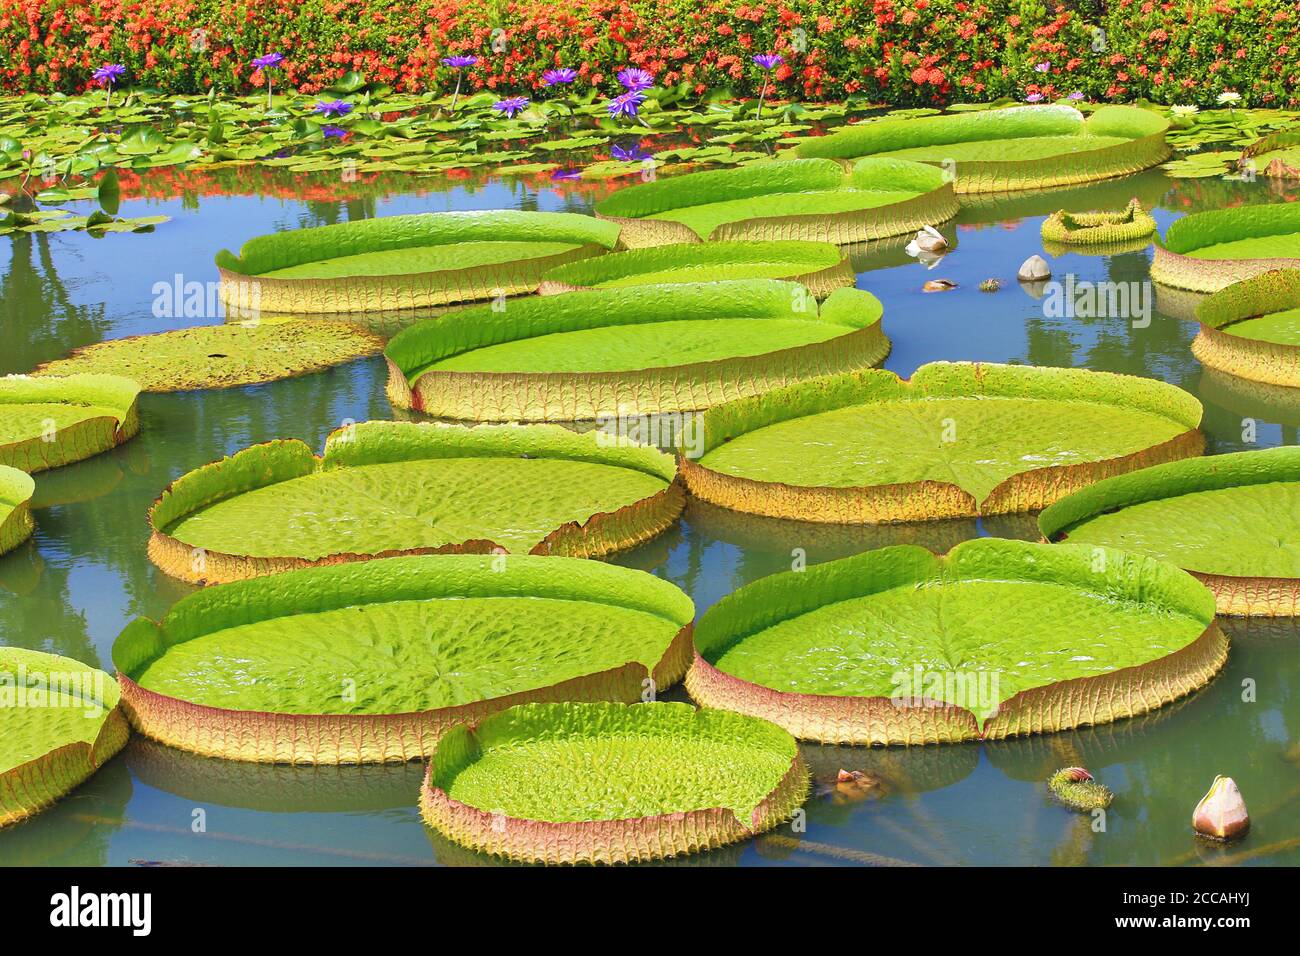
(899, 51)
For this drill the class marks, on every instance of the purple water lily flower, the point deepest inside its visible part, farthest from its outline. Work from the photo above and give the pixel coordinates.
(333, 132)
(636, 80)
(769, 61)
(566, 175)
(558, 76)
(1042, 67)
(1077, 95)
(626, 104)
(333, 107)
(634, 155)
(458, 63)
(268, 61)
(511, 105)
(107, 75)
(1034, 98)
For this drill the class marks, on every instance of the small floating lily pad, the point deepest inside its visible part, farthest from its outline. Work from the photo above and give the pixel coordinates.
(1109, 233)
(1208, 251)
(407, 262)
(52, 421)
(996, 639)
(1021, 147)
(222, 356)
(629, 351)
(386, 488)
(59, 723)
(1232, 520)
(610, 783)
(810, 199)
(1251, 329)
(16, 490)
(365, 663)
(959, 439)
(819, 266)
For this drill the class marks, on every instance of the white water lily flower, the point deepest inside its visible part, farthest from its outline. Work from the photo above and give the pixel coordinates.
(1184, 110)
(1228, 97)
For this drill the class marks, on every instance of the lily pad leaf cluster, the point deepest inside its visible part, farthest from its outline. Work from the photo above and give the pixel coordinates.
(51, 421)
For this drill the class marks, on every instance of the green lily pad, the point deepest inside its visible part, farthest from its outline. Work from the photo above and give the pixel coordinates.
(570, 783)
(1208, 251)
(59, 722)
(995, 639)
(221, 356)
(16, 490)
(409, 261)
(958, 439)
(389, 487)
(818, 265)
(809, 199)
(635, 350)
(1231, 519)
(436, 639)
(52, 421)
(1019, 147)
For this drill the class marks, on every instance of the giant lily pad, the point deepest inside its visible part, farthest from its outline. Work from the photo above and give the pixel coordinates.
(996, 639)
(222, 356)
(638, 350)
(1208, 251)
(1022, 147)
(370, 663)
(386, 488)
(1276, 155)
(59, 722)
(1251, 329)
(610, 783)
(959, 439)
(16, 490)
(48, 422)
(407, 262)
(1232, 520)
(796, 199)
(819, 266)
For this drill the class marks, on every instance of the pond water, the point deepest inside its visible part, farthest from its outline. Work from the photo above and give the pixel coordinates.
(84, 575)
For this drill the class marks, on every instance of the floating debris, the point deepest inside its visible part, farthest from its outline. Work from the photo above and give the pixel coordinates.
(990, 285)
(938, 285)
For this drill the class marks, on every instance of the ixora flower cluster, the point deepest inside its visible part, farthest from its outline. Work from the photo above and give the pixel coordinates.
(903, 51)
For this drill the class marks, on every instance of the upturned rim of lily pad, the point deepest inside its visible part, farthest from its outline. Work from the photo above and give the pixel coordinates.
(82, 439)
(1238, 595)
(382, 737)
(30, 787)
(677, 832)
(583, 396)
(1144, 129)
(243, 280)
(1173, 264)
(16, 490)
(1218, 347)
(1045, 708)
(375, 442)
(821, 267)
(933, 202)
(1027, 490)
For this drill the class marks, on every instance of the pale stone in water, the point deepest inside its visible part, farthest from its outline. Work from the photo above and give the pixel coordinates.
(1034, 269)
(1221, 814)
